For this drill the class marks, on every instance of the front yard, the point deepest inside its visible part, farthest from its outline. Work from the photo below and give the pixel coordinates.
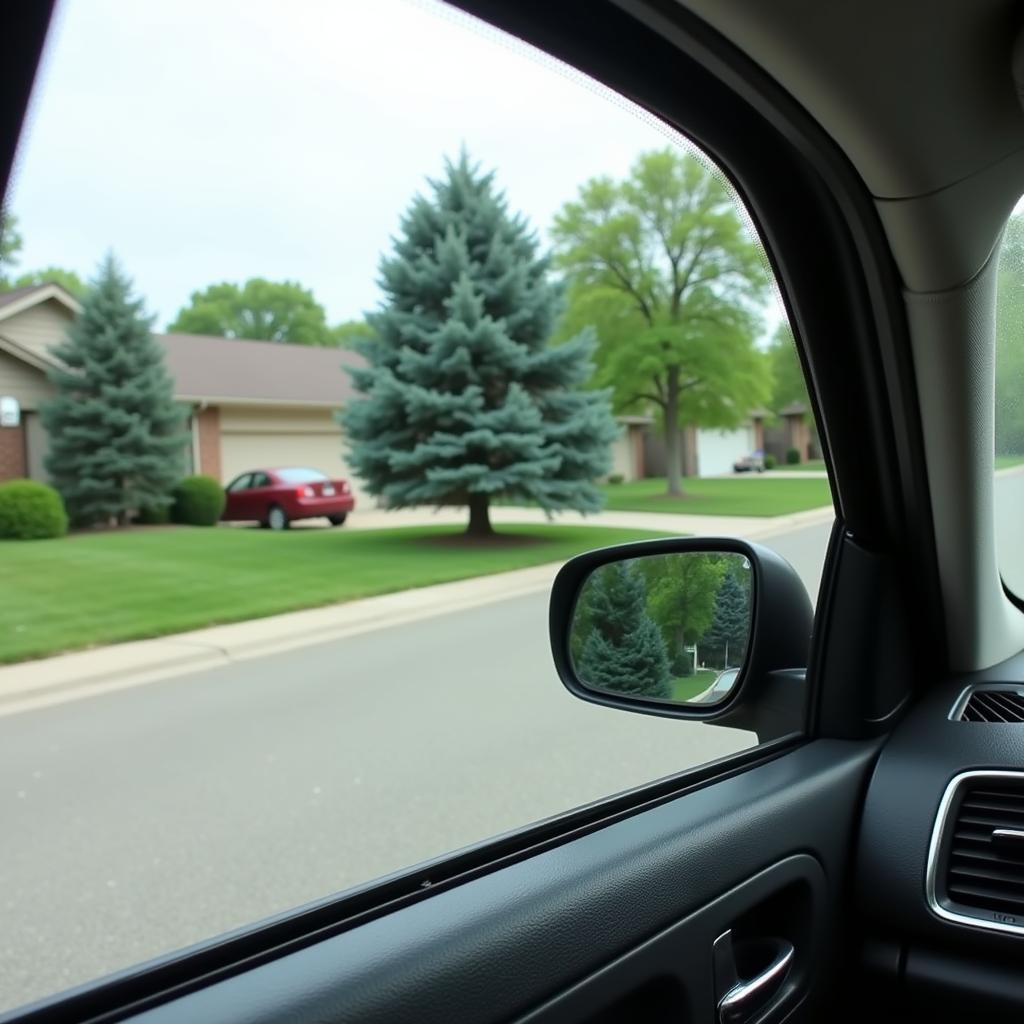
(756, 495)
(99, 588)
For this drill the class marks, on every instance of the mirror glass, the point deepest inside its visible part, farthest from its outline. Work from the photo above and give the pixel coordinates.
(672, 627)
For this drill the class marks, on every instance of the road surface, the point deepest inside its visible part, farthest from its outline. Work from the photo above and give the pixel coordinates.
(144, 820)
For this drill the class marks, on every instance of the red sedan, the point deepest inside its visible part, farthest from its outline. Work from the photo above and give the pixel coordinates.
(276, 497)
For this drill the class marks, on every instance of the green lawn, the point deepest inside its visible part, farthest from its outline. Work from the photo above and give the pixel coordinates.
(98, 588)
(1008, 461)
(726, 496)
(811, 466)
(687, 687)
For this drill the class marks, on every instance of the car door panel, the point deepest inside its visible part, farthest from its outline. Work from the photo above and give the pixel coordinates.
(509, 942)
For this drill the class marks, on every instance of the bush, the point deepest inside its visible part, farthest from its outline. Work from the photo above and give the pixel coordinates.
(30, 510)
(153, 515)
(770, 462)
(616, 478)
(792, 457)
(198, 501)
(682, 664)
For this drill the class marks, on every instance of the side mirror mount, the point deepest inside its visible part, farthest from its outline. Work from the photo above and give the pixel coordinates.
(707, 629)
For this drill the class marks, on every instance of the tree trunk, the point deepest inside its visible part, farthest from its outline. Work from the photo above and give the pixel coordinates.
(672, 453)
(479, 516)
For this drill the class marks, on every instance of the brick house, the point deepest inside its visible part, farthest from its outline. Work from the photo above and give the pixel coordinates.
(250, 403)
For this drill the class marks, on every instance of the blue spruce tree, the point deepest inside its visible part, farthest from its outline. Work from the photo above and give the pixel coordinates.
(623, 649)
(464, 399)
(116, 440)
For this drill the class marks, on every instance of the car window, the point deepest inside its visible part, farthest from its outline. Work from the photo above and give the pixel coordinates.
(241, 483)
(300, 476)
(1009, 404)
(260, 480)
(519, 316)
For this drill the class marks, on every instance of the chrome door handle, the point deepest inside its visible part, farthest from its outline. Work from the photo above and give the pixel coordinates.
(748, 996)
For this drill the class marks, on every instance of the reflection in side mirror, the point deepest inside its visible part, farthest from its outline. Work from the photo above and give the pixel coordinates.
(673, 627)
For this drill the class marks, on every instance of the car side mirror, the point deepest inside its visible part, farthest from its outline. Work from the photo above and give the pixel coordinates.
(713, 629)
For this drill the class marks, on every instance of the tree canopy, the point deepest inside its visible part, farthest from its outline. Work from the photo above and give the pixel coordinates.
(67, 279)
(681, 592)
(662, 265)
(259, 310)
(464, 399)
(10, 246)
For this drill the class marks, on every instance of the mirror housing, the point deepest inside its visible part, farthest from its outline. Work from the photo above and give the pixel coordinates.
(769, 696)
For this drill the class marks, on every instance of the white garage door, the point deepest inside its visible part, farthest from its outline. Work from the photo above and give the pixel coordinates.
(717, 450)
(252, 439)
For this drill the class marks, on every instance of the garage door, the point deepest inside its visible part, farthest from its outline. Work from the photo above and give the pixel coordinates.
(717, 450)
(251, 439)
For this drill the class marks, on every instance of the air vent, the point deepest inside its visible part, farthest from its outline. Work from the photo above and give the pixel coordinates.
(976, 860)
(992, 705)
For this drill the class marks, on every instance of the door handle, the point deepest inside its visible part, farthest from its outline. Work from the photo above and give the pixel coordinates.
(746, 996)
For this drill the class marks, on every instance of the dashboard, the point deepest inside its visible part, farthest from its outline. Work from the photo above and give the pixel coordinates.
(940, 857)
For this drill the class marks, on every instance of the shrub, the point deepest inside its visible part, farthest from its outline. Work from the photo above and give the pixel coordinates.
(198, 501)
(616, 478)
(792, 457)
(153, 515)
(30, 510)
(682, 664)
(770, 462)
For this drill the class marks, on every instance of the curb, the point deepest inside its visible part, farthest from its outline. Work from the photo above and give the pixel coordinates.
(36, 684)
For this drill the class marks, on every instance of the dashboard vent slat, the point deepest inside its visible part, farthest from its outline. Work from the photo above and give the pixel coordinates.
(992, 705)
(983, 873)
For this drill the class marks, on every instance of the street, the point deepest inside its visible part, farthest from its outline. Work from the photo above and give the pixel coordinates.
(150, 818)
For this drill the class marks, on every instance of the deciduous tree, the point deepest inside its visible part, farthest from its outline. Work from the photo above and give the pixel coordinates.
(665, 269)
(258, 310)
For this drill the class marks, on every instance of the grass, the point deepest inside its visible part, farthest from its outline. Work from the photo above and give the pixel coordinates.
(687, 687)
(1008, 461)
(100, 588)
(725, 496)
(811, 466)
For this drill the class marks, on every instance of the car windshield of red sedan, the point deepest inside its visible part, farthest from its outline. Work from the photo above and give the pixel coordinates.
(299, 476)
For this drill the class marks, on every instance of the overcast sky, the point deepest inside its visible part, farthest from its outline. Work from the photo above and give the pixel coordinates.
(213, 140)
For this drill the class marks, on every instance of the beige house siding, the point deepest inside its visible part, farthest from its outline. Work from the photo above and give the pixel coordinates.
(24, 382)
(38, 328)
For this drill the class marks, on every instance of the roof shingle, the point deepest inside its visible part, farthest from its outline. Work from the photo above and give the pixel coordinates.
(210, 369)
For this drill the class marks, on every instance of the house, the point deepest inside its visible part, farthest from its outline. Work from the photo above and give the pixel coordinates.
(250, 403)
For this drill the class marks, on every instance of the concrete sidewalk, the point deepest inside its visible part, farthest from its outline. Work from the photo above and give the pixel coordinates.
(748, 527)
(36, 684)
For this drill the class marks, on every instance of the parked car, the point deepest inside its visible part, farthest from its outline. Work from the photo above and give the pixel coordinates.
(277, 497)
(720, 688)
(752, 463)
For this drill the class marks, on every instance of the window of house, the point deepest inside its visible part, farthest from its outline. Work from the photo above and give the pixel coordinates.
(516, 315)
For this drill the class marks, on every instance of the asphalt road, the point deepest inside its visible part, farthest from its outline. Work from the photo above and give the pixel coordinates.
(141, 821)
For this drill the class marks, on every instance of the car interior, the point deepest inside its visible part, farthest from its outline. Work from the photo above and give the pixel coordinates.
(867, 857)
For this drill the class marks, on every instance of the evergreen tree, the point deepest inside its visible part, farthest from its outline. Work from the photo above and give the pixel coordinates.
(115, 432)
(624, 650)
(731, 625)
(465, 400)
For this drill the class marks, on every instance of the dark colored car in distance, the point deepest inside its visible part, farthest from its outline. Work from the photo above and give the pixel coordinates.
(277, 497)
